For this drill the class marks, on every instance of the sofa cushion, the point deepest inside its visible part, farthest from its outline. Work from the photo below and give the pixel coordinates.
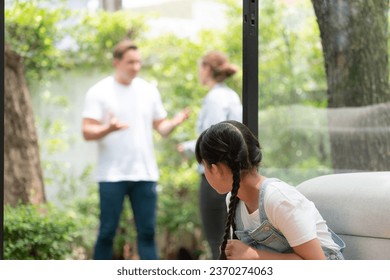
(357, 207)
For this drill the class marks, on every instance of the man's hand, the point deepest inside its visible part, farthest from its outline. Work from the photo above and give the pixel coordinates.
(94, 129)
(115, 124)
(181, 116)
(165, 126)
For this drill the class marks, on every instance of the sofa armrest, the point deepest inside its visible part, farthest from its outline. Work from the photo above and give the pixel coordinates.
(355, 205)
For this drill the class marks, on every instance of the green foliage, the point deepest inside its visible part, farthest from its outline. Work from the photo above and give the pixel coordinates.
(85, 212)
(76, 192)
(301, 133)
(50, 39)
(291, 68)
(32, 31)
(55, 139)
(40, 232)
(95, 35)
(290, 56)
(175, 70)
(296, 142)
(178, 210)
(231, 39)
(178, 198)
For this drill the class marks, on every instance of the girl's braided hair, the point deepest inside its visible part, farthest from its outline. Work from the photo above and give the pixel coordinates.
(232, 143)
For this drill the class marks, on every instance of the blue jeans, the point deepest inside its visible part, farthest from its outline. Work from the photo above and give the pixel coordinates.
(143, 200)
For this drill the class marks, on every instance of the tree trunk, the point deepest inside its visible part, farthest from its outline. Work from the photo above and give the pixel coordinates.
(354, 41)
(111, 5)
(23, 180)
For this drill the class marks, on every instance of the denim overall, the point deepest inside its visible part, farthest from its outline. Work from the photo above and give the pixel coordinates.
(267, 237)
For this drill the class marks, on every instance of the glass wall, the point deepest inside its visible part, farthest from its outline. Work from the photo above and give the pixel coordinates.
(324, 95)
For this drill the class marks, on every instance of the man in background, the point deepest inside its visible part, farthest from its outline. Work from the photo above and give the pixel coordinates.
(120, 113)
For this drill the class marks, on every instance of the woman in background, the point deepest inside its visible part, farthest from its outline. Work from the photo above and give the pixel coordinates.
(221, 103)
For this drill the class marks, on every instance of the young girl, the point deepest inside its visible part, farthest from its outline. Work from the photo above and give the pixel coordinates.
(271, 219)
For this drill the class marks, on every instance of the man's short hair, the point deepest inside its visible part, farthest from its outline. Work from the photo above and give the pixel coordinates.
(122, 47)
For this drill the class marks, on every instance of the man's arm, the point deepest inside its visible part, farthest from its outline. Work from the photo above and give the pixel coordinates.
(165, 126)
(95, 130)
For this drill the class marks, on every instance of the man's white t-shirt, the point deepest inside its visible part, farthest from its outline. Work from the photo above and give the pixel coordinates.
(126, 155)
(291, 213)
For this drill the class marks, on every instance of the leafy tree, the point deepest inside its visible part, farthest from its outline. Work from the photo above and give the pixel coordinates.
(30, 36)
(32, 31)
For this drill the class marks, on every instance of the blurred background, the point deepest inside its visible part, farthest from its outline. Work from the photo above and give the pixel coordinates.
(324, 106)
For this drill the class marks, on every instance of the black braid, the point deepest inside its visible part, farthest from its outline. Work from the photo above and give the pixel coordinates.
(236, 182)
(230, 223)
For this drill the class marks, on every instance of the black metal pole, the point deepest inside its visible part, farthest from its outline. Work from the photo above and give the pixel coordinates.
(250, 84)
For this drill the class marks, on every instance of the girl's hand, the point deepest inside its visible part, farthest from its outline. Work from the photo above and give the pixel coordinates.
(237, 250)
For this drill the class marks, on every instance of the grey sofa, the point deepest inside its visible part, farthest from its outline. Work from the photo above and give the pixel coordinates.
(357, 207)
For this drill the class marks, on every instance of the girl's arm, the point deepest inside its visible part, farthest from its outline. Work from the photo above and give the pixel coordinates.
(237, 250)
(310, 250)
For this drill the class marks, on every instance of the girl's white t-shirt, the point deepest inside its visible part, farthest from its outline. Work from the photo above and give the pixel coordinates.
(126, 155)
(291, 213)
